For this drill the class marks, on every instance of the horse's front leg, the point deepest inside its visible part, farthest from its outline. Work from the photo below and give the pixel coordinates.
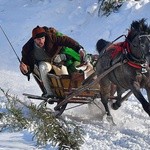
(147, 87)
(136, 91)
(148, 93)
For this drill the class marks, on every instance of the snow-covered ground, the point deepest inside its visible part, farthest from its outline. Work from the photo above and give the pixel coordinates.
(78, 19)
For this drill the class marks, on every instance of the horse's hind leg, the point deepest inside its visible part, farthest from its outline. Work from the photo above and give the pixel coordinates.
(109, 118)
(104, 100)
(118, 102)
(105, 94)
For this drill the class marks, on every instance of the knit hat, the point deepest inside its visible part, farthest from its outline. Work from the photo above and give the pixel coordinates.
(38, 32)
(101, 44)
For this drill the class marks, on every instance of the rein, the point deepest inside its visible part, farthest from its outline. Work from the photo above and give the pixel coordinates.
(132, 61)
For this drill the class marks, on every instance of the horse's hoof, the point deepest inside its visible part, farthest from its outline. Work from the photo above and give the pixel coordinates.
(115, 106)
(110, 120)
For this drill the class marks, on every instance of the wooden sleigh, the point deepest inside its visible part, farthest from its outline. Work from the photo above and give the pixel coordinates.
(74, 89)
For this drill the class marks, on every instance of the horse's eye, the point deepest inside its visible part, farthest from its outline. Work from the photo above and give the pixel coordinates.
(142, 45)
(134, 45)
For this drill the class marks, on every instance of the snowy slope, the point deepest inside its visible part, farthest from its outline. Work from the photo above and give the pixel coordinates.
(78, 19)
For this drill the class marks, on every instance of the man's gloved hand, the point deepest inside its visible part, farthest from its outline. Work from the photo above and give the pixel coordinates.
(59, 58)
(82, 58)
(25, 69)
(82, 55)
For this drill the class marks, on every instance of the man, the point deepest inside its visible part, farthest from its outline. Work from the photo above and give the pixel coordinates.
(40, 51)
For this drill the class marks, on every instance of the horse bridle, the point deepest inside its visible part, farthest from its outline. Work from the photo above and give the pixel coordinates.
(131, 59)
(131, 56)
(148, 37)
(145, 35)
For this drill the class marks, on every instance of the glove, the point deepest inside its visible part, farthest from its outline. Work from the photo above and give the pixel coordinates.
(82, 55)
(59, 58)
(82, 58)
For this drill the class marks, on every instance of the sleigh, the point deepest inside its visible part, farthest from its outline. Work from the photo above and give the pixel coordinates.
(133, 75)
(74, 89)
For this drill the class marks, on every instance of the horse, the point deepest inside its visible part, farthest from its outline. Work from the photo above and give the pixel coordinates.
(133, 74)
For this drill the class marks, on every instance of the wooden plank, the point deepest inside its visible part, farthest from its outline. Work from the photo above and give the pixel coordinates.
(56, 85)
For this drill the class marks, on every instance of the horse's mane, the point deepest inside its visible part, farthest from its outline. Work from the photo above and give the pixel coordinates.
(138, 27)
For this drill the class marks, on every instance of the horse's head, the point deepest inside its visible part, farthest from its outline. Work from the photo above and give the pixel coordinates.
(139, 41)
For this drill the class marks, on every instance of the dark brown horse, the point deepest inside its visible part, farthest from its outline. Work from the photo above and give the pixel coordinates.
(133, 74)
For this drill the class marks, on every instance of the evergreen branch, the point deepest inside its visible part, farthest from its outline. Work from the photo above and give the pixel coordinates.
(39, 120)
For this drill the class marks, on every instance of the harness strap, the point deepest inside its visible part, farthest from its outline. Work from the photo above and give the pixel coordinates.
(125, 49)
(135, 65)
(117, 48)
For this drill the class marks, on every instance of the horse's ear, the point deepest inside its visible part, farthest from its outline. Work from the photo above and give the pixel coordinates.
(131, 33)
(140, 25)
(142, 21)
(135, 25)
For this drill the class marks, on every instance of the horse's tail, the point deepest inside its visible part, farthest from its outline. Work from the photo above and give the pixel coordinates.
(101, 44)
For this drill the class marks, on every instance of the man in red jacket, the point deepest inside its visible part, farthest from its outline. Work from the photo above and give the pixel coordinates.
(40, 51)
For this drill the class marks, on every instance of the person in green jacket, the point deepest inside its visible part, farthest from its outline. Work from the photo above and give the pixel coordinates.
(70, 58)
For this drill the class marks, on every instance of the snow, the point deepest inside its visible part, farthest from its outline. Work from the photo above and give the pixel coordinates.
(78, 19)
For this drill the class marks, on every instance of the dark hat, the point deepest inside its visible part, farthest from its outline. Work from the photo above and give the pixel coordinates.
(38, 32)
(101, 44)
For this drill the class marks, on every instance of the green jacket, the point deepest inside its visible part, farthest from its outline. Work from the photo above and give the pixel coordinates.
(73, 58)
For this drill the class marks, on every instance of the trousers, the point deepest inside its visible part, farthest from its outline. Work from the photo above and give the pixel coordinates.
(43, 69)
